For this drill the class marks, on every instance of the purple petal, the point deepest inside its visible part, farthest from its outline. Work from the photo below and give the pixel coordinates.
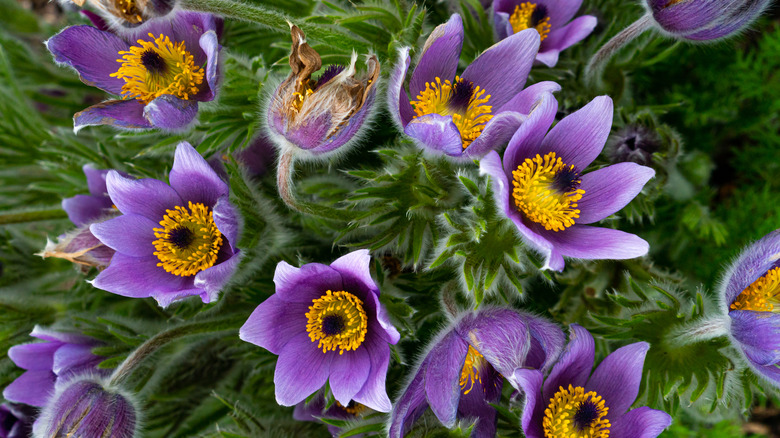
(528, 99)
(130, 234)
(96, 20)
(688, 16)
(565, 37)
(96, 180)
(60, 337)
(307, 283)
(574, 365)
(348, 373)
(609, 189)
(500, 335)
(85, 209)
(209, 42)
(640, 423)
(498, 131)
(347, 133)
(213, 279)
(753, 263)
(501, 26)
(301, 370)
(310, 134)
(442, 378)
(72, 357)
(758, 331)
(389, 332)
(126, 114)
(410, 405)
(170, 113)
(373, 394)
(440, 55)
(273, 323)
(436, 133)
(183, 26)
(529, 382)
(561, 11)
(547, 341)
(193, 179)
(476, 404)
(36, 356)
(146, 197)
(397, 100)
(138, 277)
(587, 242)
(355, 271)
(165, 298)
(226, 219)
(618, 376)
(526, 140)
(33, 388)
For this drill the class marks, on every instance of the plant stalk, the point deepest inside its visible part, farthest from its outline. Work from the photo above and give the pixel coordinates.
(617, 42)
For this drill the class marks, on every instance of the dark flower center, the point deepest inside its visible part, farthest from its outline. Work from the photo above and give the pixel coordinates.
(566, 179)
(181, 237)
(539, 14)
(332, 325)
(587, 413)
(462, 91)
(153, 62)
(8, 421)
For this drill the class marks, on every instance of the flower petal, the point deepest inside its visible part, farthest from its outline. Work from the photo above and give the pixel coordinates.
(273, 323)
(170, 113)
(529, 382)
(410, 405)
(72, 358)
(618, 376)
(96, 180)
(442, 377)
(575, 363)
(373, 394)
(609, 189)
(193, 179)
(307, 283)
(561, 11)
(498, 131)
(526, 140)
(641, 422)
(355, 271)
(209, 43)
(126, 114)
(397, 100)
(390, 333)
(146, 197)
(213, 279)
(33, 388)
(138, 277)
(476, 406)
(500, 335)
(566, 36)
(301, 370)
(587, 242)
(753, 263)
(85, 209)
(348, 373)
(440, 55)
(35, 356)
(130, 234)
(437, 133)
(758, 332)
(226, 218)
(530, 98)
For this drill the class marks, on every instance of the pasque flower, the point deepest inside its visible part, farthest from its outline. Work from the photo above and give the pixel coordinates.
(465, 116)
(540, 187)
(463, 370)
(573, 403)
(326, 324)
(551, 18)
(15, 420)
(127, 13)
(171, 241)
(49, 364)
(161, 71)
(700, 20)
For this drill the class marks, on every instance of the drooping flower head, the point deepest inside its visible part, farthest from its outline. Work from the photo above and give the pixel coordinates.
(464, 368)
(15, 420)
(551, 18)
(464, 116)
(326, 324)
(750, 296)
(49, 364)
(161, 71)
(313, 117)
(573, 403)
(702, 20)
(316, 409)
(171, 241)
(541, 188)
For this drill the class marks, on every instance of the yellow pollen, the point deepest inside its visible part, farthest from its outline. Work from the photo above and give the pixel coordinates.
(153, 68)
(761, 295)
(471, 369)
(352, 408)
(129, 10)
(337, 320)
(470, 121)
(522, 18)
(188, 241)
(566, 412)
(537, 197)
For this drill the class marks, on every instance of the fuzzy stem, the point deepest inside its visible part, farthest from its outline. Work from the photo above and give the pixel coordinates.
(32, 216)
(700, 330)
(616, 43)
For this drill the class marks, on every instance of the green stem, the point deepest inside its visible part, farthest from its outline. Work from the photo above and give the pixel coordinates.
(617, 42)
(32, 216)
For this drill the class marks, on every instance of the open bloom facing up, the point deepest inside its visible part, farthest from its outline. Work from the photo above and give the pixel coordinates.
(161, 71)
(702, 20)
(49, 364)
(573, 403)
(326, 324)
(315, 117)
(465, 116)
(750, 295)
(539, 185)
(464, 368)
(551, 18)
(171, 241)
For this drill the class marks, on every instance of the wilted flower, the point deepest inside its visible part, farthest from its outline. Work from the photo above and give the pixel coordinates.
(88, 407)
(128, 13)
(171, 241)
(49, 364)
(15, 420)
(326, 324)
(550, 18)
(635, 143)
(161, 71)
(463, 370)
(574, 403)
(312, 117)
(550, 201)
(465, 116)
(316, 409)
(704, 19)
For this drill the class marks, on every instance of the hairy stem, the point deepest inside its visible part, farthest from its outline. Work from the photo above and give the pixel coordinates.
(32, 216)
(617, 42)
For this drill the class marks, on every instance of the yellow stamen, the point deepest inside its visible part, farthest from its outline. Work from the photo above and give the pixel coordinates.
(129, 10)
(352, 408)
(470, 118)
(761, 295)
(472, 367)
(188, 241)
(546, 191)
(153, 68)
(573, 413)
(524, 18)
(337, 320)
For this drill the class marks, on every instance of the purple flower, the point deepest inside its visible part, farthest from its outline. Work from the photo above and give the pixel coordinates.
(326, 324)
(126, 13)
(550, 201)
(316, 409)
(749, 296)
(462, 372)
(15, 420)
(551, 18)
(702, 20)
(161, 70)
(86, 209)
(171, 241)
(465, 116)
(314, 117)
(572, 402)
(49, 364)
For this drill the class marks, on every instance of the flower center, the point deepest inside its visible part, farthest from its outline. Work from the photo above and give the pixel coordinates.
(461, 100)
(472, 367)
(762, 295)
(188, 241)
(337, 320)
(530, 16)
(153, 68)
(352, 408)
(128, 9)
(573, 413)
(546, 191)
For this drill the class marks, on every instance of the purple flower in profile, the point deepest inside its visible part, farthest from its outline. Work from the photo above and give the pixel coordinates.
(86, 209)
(15, 420)
(316, 410)
(171, 241)
(464, 368)
(326, 324)
(463, 117)
(539, 185)
(49, 364)
(551, 18)
(702, 20)
(572, 402)
(161, 71)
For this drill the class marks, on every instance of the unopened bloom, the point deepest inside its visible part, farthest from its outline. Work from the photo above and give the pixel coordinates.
(573, 403)
(316, 409)
(464, 368)
(551, 18)
(326, 324)
(161, 71)
(15, 420)
(540, 187)
(128, 13)
(701, 20)
(465, 116)
(49, 364)
(313, 117)
(171, 241)
(635, 143)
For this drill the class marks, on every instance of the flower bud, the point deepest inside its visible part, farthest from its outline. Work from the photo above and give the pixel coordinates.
(127, 13)
(634, 143)
(81, 247)
(702, 20)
